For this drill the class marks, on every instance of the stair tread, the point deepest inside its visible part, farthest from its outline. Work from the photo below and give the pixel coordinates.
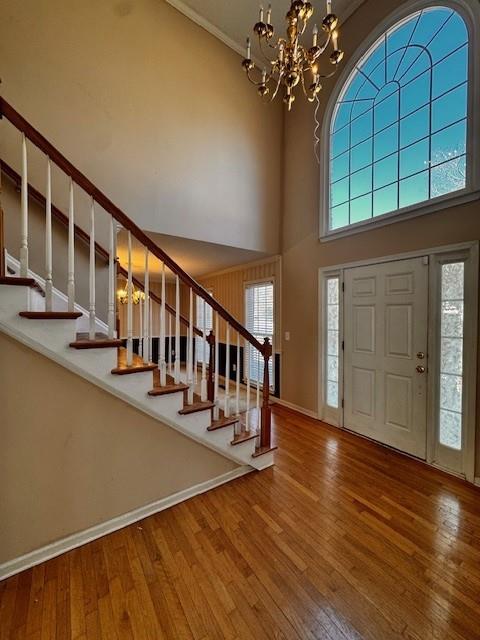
(17, 281)
(51, 315)
(98, 343)
(167, 389)
(222, 422)
(196, 406)
(134, 368)
(261, 451)
(243, 436)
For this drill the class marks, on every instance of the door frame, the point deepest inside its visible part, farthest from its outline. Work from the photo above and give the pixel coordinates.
(468, 251)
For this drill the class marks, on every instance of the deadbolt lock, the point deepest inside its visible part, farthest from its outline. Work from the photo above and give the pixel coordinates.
(420, 369)
(420, 355)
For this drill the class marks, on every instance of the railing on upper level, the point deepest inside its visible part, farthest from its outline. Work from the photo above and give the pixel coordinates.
(209, 386)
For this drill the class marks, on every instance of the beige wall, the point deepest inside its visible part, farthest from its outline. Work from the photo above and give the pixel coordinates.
(139, 97)
(302, 252)
(80, 456)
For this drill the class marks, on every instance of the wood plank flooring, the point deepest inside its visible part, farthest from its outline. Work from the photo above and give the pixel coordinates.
(341, 540)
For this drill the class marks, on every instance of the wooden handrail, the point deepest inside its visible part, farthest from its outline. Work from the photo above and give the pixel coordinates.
(83, 235)
(99, 197)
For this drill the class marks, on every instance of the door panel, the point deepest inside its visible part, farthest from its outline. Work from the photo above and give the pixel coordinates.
(385, 328)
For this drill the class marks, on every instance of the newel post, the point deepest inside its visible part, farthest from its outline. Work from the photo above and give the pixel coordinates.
(211, 367)
(265, 434)
(2, 232)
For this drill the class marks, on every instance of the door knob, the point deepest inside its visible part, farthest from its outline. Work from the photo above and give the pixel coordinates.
(420, 369)
(420, 355)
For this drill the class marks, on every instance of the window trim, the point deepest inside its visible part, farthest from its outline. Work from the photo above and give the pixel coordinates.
(469, 10)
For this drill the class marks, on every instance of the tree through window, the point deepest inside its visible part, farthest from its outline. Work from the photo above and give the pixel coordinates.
(398, 132)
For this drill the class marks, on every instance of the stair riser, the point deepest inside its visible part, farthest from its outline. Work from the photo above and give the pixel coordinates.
(13, 300)
(167, 406)
(95, 361)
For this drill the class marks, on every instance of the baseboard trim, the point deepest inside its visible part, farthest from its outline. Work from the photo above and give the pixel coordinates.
(82, 537)
(294, 407)
(477, 482)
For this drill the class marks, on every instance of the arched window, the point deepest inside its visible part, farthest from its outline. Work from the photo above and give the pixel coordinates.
(399, 128)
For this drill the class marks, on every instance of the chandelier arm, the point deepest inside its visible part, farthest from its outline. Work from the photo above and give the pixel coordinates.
(260, 82)
(263, 52)
(323, 47)
(279, 82)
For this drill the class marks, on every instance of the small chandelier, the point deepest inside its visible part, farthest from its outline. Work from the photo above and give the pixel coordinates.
(137, 296)
(294, 63)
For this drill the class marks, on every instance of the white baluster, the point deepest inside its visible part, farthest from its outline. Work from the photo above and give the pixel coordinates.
(146, 312)
(191, 338)
(258, 387)
(170, 343)
(177, 330)
(24, 217)
(247, 371)
(129, 305)
(71, 251)
(237, 390)
(48, 242)
(91, 307)
(150, 331)
(112, 277)
(227, 373)
(163, 367)
(203, 384)
(140, 327)
(216, 410)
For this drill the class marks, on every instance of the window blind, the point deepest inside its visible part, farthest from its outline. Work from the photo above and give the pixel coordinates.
(259, 319)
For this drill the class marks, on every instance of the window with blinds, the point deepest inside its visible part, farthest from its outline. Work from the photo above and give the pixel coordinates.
(201, 346)
(259, 320)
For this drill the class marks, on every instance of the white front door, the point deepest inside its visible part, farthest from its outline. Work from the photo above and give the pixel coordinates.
(385, 353)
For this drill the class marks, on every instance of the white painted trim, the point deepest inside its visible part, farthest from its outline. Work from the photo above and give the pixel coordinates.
(477, 482)
(207, 25)
(119, 522)
(470, 251)
(230, 42)
(406, 255)
(294, 407)
(433, 205)
(470, 12)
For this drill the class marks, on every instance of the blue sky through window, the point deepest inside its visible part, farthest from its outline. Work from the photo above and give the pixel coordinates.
(398, 134)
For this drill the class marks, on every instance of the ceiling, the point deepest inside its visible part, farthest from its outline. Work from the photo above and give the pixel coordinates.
(232, 20)
(195, 257)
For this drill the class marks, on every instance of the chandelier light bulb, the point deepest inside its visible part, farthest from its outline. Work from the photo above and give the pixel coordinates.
(269, 14)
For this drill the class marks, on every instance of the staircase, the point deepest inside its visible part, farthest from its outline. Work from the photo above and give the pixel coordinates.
(52, 322)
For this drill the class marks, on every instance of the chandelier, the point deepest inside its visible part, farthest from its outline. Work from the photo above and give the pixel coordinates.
(294, 64)
(137, 296)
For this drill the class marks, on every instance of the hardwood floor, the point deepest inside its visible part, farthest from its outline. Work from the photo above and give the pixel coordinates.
(342, 539)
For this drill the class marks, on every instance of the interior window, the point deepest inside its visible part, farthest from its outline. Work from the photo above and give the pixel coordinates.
(259, 312)
(398, 132)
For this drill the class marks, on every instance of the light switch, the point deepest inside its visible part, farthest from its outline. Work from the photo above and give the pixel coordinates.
(287, 335)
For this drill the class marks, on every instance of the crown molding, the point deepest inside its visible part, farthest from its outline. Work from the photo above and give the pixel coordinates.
(230, 42)
(207, 25)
